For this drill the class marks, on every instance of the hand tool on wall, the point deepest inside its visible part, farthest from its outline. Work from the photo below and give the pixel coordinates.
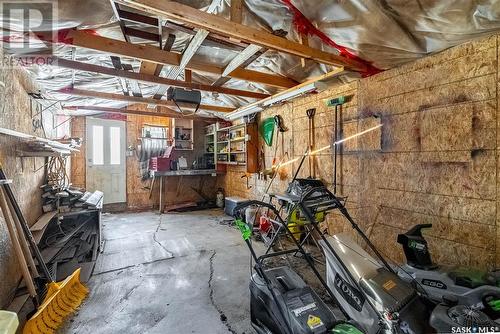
(247, 176)
(337, 103)
(61, 299)
(280, 129)
(310, 140)
(266, 130)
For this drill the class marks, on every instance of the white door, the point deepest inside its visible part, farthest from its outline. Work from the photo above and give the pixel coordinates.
(106, 159)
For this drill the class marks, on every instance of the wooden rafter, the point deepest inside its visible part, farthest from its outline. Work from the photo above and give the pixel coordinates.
(325, 78)
(211, 40)
(149, 53)
(191, 49)
(189, 15)
(153, 79)
(138, 100)
(241, 58)
(237, 11)
(250, 51)
(160, 112)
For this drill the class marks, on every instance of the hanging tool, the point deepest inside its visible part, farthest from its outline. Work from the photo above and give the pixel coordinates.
(337, 103)
(280, 128)
(310, 140)
(62, 298)
(247, 176)
(266, 130)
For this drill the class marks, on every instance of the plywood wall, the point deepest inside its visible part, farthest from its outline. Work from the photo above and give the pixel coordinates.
(175, 190)
(435, 159)
(15, 114)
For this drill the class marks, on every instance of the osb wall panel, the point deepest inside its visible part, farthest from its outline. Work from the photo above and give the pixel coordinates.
(15, 114)
(435, 159)
(176, 189)
(78, 159)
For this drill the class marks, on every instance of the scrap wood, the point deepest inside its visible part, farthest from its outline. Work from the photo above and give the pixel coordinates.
(173, 207)
(38, 141)
(95, 198)
(69, 267)
(70, 234)
(43, 221)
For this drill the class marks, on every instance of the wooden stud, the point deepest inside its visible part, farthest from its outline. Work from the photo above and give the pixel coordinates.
(304, 41)
(236, 11)
(200, 19)
(188, 78)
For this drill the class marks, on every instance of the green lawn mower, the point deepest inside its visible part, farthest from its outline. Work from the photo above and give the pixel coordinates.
(280, 301)
(478, 289)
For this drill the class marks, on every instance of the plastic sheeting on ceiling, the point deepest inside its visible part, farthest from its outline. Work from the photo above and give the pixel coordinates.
(387, 33)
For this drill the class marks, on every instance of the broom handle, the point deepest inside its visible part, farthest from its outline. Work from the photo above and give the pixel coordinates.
(23, 242)
(17, 247)
(24, 225)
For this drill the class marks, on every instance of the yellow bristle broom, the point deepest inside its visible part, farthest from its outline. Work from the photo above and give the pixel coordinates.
(62, 298)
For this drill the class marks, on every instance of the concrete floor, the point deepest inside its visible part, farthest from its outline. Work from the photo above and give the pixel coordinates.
(172, 273)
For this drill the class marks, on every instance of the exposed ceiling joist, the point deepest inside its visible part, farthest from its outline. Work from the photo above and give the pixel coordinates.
(191, 49)
(149, 53)
(237, 11)
(161, 112)
(248, 53)
(197, 18)
(241, 58)
(150, 78)
(138, 100)
(287, 94)
(213, 40)
(154, 68)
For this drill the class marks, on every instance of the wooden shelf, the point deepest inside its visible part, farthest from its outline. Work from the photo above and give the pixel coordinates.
(238, 139)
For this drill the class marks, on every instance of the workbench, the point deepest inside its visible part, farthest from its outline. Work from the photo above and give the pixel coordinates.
(181, 173)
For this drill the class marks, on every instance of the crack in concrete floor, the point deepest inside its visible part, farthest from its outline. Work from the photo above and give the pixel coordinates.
(223, 317)
(171, 255)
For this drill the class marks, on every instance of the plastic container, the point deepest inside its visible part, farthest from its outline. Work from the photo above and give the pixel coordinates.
(8, 322)
(250, 213)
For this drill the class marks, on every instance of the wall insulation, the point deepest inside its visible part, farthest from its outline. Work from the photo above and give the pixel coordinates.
(435, 159)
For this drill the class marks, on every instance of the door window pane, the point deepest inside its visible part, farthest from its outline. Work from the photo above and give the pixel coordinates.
(97, 145)
(114, 145)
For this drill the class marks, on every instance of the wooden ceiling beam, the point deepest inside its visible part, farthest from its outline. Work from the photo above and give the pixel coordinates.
(159, 113)
(150, 53)
(138, 100)
(153, 79)
(188, 15)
